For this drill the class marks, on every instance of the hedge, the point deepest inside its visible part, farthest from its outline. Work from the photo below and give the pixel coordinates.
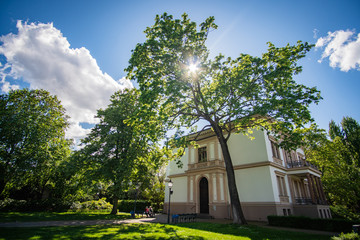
(12, 205)
(128, 205)
(331, 225)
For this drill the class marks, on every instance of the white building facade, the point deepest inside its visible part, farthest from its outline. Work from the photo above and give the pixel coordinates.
(270, 181)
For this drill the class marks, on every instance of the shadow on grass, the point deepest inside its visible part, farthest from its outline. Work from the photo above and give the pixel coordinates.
(251, 231)
(183, 231)
(123, 231)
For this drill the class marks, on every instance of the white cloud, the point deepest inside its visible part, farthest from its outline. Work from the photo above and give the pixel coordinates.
(342, 49)
(40, 55)
(315, 32)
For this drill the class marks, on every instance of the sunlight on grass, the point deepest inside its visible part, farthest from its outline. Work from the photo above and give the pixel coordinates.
(195, 231)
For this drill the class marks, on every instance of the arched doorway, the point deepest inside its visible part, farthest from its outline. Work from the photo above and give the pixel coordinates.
(204, 196)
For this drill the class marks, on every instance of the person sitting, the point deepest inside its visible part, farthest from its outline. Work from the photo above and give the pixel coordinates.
(147, 211)
(151, 212)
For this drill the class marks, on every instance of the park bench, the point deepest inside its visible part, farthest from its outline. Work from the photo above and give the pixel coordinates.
(178, 218)
(138, 213)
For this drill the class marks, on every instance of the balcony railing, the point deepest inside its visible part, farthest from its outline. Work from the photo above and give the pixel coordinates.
(207, 164)
(309, 201)
(303, 201)
(299, 163)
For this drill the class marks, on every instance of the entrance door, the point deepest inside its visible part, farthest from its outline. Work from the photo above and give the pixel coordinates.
(204, 196)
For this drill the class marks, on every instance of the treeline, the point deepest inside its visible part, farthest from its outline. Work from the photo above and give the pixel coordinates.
(117, 160)
(337, 155)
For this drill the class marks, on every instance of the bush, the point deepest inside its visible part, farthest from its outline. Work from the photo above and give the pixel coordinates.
(331, 225)
(13, 205)
(93, 205)
(128, 205)
(347, 236)
(340, 211)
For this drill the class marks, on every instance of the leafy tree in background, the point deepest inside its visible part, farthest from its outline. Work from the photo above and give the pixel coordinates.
(117, 153)
(338, 159)
(181, 86)
(156, 191)
(32, 140)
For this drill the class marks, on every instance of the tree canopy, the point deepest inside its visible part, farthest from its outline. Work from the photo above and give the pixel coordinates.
(116, 152)
(338, 159)
(181, 86)
(32, 139)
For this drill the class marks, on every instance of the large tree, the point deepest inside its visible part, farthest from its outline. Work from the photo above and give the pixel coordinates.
(32, 139)
(181, 86)
(339, 161)
(117, 152)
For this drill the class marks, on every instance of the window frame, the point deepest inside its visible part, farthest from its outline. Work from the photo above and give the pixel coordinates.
(202, 154)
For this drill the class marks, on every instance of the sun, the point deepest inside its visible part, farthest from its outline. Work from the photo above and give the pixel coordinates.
(193, 68)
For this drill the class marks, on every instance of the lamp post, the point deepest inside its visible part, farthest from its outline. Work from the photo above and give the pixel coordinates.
(170, 184)
(137, 186)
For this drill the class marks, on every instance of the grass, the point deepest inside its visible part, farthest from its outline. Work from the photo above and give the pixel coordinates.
(63, 216)
(194, 231)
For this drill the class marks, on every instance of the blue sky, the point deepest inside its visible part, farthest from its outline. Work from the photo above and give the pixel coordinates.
(67, 46)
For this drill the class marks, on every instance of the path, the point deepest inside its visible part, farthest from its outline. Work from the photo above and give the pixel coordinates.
(75, 222)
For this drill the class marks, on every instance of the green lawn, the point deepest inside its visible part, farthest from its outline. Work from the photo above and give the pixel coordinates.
(197, 230)
(194, 231)
(53, 216)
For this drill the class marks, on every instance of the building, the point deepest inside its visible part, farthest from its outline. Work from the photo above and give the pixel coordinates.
(270, 181)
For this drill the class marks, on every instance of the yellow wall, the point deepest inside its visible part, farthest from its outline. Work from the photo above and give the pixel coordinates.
(179, 190)
(244, 151)
(254, 184)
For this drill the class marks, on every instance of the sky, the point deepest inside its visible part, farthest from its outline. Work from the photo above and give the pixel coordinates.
(78, 50)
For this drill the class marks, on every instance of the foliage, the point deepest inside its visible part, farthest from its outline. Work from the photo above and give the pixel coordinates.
(9, 204)
(341, 211)
(180, 86)
(156, 231)
(32, 142)
(60, 216)
(338, 159)
(155, 193)
(331, 225)
(347, 236)
(128, 205)
(100, 204)
(116, 153)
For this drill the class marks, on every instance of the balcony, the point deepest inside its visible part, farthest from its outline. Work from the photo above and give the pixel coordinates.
(299, 163)
(309, 201)
(207, 164)
(303, 201)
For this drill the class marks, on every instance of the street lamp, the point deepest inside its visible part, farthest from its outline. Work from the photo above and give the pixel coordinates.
(170, 184)
(137, 186)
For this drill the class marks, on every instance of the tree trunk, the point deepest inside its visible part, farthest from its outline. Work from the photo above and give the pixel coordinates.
(238, 215)
(115, 205)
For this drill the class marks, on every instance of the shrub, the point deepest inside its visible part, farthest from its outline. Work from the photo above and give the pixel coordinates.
(340, 211)
(93, 205)
(347, 236)
(332, 225)
(9, 204)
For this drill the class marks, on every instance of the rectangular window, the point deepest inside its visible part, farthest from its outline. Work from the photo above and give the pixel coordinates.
(281, 186)
(202, 154)
(275, 150)
(287, 156)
